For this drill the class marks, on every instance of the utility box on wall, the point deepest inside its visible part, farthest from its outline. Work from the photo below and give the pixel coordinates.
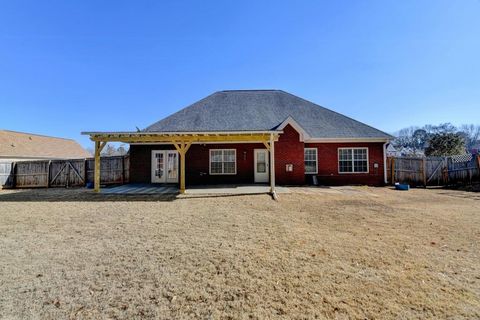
(289, 167)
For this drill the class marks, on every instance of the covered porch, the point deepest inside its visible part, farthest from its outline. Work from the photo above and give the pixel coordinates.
(182, 143)
(169, 189)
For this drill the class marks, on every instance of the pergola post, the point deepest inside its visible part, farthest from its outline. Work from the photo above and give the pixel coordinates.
(182, 149)
(272, 167)
(98, 148)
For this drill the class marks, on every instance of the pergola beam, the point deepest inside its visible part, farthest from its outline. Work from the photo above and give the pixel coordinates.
(187, 138)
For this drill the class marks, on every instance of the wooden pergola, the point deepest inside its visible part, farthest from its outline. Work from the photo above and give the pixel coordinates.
(182, 142)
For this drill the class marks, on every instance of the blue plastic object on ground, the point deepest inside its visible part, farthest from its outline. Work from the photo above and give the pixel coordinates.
(402, 187)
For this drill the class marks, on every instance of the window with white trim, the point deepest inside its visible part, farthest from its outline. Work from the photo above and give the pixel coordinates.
(311, 160)
(223, 161)
(353, 160)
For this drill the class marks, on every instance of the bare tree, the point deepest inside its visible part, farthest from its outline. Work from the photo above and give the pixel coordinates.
(418, 138)
(109, 150)
(121, 150)
(471, 134)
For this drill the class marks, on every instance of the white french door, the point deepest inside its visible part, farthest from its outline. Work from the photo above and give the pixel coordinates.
(164, 166)
(261, 165)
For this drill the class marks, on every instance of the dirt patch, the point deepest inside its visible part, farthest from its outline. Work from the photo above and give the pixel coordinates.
(362, 254)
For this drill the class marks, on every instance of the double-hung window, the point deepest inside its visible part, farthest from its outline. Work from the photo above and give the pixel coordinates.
(223, 161)
(353, 160)
(311, 161)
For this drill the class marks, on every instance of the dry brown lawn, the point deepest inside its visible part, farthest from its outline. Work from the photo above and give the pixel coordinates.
(348, 253)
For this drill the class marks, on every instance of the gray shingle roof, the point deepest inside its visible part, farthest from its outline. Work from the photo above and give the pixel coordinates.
(256, 110)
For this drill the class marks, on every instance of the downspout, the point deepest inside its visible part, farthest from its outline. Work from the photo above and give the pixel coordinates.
(385, 162)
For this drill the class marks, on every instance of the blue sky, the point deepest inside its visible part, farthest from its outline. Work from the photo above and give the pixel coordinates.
(71, 66)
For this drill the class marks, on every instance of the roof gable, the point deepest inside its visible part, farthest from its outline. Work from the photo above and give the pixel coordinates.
(250, 110)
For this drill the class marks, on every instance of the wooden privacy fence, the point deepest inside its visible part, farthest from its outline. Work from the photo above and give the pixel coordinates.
(434, 171)
(63, 173)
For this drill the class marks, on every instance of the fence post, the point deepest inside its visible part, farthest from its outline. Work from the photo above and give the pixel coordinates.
(14, 174)
(392, 171)
(67, 167)
(48, 173)
(85, 172)
(123, 169)
(424, 171)
(445, 171)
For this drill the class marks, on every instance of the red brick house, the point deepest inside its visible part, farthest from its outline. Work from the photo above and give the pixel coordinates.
(254, 136)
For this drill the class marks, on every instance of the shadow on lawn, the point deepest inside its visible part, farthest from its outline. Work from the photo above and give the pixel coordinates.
(83, 195)
(77, 195)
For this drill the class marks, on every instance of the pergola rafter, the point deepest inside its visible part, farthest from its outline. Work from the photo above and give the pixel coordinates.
(182, 142)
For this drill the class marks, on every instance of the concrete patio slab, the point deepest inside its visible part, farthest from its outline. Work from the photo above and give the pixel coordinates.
(141, 189)
(233, 189)
(155, 189)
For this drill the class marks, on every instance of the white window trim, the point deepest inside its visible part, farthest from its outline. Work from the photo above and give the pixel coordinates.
(210, 162)
(353, 167)
(316, 160)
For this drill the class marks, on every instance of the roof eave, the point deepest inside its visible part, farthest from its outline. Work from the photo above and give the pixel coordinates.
(347, 140)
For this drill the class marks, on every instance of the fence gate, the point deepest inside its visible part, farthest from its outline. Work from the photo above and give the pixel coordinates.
(435, 171)
(67, 173)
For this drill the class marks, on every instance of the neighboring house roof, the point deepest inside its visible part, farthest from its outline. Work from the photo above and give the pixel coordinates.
(33, 146)
(391, 148)
(257, 110)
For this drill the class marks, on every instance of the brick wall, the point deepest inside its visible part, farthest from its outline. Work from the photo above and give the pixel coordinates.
(197, 163)
(289, 150)
(328, 164)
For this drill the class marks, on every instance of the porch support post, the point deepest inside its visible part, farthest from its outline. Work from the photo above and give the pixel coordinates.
(98, 148)
(182, 149)
(272, 167)
(182, 171)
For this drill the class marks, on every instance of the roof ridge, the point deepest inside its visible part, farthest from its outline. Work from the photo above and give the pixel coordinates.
(250, 90)
(36, 134)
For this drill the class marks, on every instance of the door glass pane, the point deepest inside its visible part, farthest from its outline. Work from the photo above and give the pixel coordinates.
(172, 166)
(261, 167)
(261, 163)
(159, 171)
(261, 156)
